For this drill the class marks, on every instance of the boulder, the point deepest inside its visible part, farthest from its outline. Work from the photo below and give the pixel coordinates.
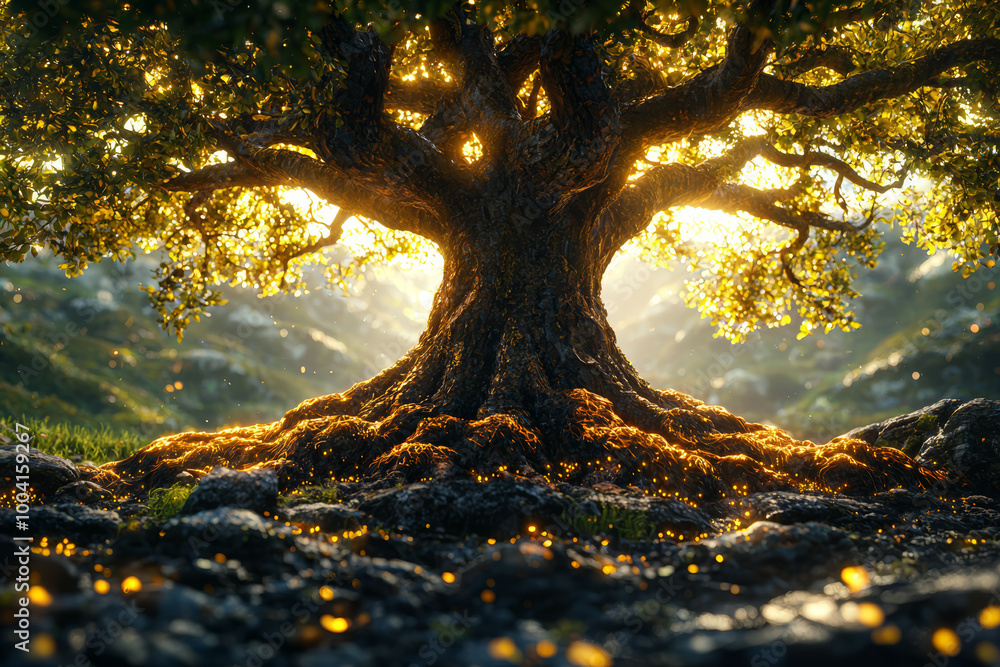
(968, 445)
(47, 472)
(78, 523)
(82, 493)
(907, 432)
(959, 438)
(255, 490)
(330, 518)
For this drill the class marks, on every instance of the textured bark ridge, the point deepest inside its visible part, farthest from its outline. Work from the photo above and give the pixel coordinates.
(518, 374)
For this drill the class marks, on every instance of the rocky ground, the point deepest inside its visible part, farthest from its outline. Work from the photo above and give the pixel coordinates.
(460, 573)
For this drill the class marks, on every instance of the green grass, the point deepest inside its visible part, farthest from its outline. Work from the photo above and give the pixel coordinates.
(613, 521)
(165, 503)
(78, 443)
(310, 494)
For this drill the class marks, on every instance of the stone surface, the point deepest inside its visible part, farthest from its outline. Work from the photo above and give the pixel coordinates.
(908, 432)
(968, 445)
(256, 490)
(959, 438)
(455, 573)
(47, 472)
(78, 523)
(83, 493)
(328, 517)
(510, 506)
(805, 579)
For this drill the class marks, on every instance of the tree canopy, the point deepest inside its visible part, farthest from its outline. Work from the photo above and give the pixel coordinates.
(816, 127)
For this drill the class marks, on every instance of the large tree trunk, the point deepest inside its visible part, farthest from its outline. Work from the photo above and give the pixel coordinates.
(518, 373)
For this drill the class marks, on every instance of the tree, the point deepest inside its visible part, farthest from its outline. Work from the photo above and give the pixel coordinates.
(529, 148)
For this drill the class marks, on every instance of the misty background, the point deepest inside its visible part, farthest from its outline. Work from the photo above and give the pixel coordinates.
(89, 351)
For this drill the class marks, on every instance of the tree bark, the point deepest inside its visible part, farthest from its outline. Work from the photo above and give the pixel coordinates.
(518, 373)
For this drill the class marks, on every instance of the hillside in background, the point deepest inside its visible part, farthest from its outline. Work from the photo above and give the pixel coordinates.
(926, 334)
(89, 351)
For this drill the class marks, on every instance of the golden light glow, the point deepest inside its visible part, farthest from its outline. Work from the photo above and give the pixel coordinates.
(472, 150)
(586, 654)
(946, 641)
(504, 648)
(887, 635)
(334, 624)
(545, 649)
(989, 617)
(870, 614)
(39, 596)
(102, 586)
(131, 585)
(43, 645)
(855, 578)
(987, 653)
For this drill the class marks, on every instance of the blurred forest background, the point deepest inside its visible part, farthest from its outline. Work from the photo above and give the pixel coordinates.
(89, 352)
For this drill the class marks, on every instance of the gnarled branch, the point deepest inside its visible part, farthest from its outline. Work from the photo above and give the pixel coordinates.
(669, 41)
(658, 189)
(423, 95)
(737, 157)
(484, 102)
(518, 58)
(781, 96)
(736, 197)
(583, 127)
(834, 58)
(704, 103)
(274, 167)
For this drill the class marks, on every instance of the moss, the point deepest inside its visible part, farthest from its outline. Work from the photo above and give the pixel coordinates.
(885, 442)
(924, 425)
(310, 494)
(613, 521)
(165, 503)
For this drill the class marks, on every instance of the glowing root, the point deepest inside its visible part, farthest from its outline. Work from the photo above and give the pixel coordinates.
(693, 452)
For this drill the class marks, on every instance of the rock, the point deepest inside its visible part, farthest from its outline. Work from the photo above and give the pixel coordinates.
(330, 518)
(236, 532)
(78, 523)
(968, 445)
(184, 478)
(504, 508)
(256, 490)
(661, 514)
(959, 438)
(169, 652)
(130, 648)
(501, 508)
(47, 472)
(58, 574)
(82, 493)
(907, 432)
(772, 555)
(786, 507)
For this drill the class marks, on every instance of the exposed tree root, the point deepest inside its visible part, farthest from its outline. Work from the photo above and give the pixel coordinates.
(518, 373)
(693, 452)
